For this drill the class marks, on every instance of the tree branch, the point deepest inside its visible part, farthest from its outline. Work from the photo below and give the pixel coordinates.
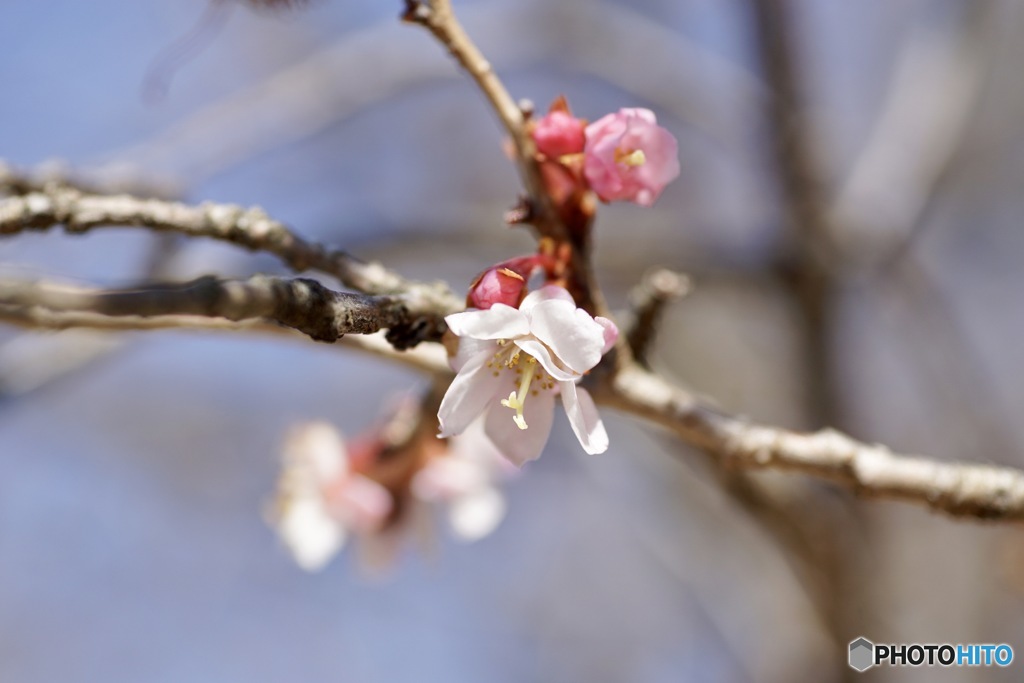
(438, 17)
(960, 490)
(300, 304)
(106, 179)
(251, 228)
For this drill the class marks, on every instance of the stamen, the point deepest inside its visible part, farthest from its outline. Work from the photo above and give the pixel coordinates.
(517, 400)
(631, 159)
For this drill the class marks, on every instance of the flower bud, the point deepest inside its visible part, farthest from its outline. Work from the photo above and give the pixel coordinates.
(558, 134)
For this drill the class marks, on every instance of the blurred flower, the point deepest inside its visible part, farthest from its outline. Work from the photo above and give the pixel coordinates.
(465, 479)
(320, 499)
(558, 134)
(541, 349)
(629, 157)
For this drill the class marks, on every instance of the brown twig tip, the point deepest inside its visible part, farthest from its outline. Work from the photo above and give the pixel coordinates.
(521, 213)
(648, 300)
(416, 12)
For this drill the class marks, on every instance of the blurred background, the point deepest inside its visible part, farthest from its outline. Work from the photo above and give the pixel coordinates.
(886, 133)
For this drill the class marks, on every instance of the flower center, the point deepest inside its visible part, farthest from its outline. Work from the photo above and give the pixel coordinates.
(630, 159)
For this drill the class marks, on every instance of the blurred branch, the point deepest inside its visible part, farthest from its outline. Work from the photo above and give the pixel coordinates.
(917, 136)
(960, 490)
(106, 179)
(250, 228)
(301, 304)
(810, 272)
(647, 302)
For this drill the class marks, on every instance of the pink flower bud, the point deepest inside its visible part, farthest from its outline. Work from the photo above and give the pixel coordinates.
(497, 286)
(628, 156)
(505, 283)
(559, 133)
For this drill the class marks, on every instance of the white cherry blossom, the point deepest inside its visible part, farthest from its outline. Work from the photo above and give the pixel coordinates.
(320, 500)
(511, 364)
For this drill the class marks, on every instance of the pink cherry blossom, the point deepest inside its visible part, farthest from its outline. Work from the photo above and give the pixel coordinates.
(535, 352)
(321, 500)
(559, 133)
(629, 157)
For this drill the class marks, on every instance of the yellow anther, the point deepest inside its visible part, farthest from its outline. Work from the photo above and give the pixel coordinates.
(631, 159)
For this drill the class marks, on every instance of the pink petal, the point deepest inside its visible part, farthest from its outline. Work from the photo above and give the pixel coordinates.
(570, 332)
(611, 333)
(559, 133)
(472, 390)
(497, 322)
(447, 477)
(365, 504)
(522, 445)
(584, 418)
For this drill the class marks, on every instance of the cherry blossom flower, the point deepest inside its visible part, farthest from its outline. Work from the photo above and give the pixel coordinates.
(558, 134)
(320, 499)
(465, 480)
(537, 351)
(629, 157)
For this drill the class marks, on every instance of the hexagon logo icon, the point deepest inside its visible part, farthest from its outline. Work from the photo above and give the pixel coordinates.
(862, 654)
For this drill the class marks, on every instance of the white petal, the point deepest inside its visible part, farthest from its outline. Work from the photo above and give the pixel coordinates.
(497, 322)
(522, 445)
(447, 477)
(472, 390)
(541, 353)
(584, 418)
(316, 448)
(546, 293)
(476, 515)
(570, 332)
(469, 348)
(312, 536)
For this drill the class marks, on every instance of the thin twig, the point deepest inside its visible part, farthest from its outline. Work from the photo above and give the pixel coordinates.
(437, 17)
(647, 302)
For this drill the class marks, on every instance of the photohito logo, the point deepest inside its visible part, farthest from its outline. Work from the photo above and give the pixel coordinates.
(864, 654)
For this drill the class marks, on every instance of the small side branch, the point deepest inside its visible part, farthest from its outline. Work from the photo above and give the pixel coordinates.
(438, 17)
(300, 304)
(648, 300)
